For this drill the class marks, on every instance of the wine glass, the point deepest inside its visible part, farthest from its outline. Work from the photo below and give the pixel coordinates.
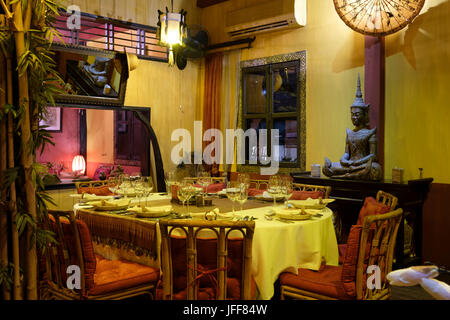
(147, 183)
(274, 188)
(287, 189)
(244, 179)
(170, 179)
(113, 184)
(184, 193)
(125, 185)
(232, 192)
(242, 195)
(139, 189)
(204, 180)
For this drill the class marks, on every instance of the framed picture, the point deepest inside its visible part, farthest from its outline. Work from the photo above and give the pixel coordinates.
(53, 121)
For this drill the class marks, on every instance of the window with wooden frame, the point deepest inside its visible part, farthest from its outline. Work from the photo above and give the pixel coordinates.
(273, 97)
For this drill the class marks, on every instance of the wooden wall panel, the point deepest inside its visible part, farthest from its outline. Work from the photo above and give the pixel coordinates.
(436, 225)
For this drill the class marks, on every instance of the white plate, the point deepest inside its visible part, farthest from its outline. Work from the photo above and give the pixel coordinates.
(292, 214)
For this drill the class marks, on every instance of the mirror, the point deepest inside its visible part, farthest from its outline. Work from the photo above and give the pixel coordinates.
(91, 76)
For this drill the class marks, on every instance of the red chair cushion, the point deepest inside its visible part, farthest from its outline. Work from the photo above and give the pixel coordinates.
(327, 281)
(341, 248)
(371, 207)
(99, 191)
(115, 275)
(351, 260)
(303, 195)
(86, 246)
(252, 192)
(215, 187)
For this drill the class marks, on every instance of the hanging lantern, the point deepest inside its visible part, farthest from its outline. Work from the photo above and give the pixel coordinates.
(171, 30)
(79, 164)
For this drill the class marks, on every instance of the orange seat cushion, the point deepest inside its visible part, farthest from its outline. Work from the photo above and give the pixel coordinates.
(371, 207)
(325, 282)
(99, 191)
(115, 275)
(303, 195)
(86, 247)
(335, 282)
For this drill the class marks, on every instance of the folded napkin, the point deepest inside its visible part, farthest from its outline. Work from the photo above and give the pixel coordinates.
(86, 197)
(111, 203)
(216, 214)
(151, 210)
(421, 275)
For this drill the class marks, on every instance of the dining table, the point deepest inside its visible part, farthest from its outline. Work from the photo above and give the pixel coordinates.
(279, 245)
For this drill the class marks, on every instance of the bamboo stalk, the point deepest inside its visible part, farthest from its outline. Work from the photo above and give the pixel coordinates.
(4, 259)
(17, 286)
(27, 156)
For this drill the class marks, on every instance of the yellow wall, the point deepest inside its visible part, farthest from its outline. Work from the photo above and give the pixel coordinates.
(174, 96)
(100, 130)
(417, 78)
(417, 95)
(333, 62)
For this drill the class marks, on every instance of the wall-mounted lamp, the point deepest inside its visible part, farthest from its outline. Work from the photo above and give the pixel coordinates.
(171, 30)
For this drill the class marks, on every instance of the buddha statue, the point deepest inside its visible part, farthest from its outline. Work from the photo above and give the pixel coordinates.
(98, 70)
(359, 161)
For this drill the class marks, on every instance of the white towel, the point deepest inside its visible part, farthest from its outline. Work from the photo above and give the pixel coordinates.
(422, 275)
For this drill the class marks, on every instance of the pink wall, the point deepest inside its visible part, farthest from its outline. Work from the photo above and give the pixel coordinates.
(67, 142)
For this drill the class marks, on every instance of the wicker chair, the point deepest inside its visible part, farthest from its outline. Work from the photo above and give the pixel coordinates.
(387, 199)
(308, 187)
(387, 202)
(199, 263)
(90, 184)
(213, 179)
(371, 244)
(100, 279)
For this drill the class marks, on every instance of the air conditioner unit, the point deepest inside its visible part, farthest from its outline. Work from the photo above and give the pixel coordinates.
(274, 15)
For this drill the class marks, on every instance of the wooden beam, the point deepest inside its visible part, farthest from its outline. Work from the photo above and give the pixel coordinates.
(374, 88)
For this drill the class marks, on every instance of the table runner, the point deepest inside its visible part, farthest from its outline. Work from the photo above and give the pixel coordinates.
(122, 231)
(131, 232)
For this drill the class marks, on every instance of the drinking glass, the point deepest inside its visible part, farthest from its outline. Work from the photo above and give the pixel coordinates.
(181, 194)
(170, 179)
(147, 183)
(125, 185)
(244, 179)
(242, 195)
(139, 188)
(204, 180)
(274, 188)
(233, 192)
(287, 189)
(113, 184)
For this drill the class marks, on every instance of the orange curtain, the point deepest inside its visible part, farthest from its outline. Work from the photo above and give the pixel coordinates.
(212, 98)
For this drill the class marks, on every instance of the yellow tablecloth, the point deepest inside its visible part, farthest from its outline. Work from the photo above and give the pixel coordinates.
(282, 247)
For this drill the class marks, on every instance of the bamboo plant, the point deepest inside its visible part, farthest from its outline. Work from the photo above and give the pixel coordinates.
(26, 64)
